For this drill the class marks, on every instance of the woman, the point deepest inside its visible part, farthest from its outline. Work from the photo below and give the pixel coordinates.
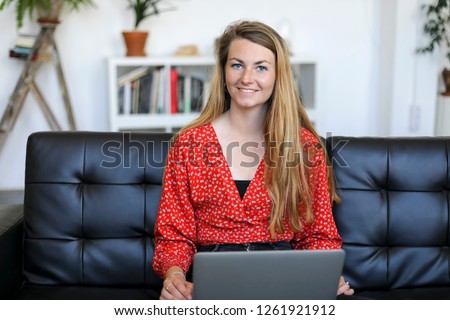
(250, 172)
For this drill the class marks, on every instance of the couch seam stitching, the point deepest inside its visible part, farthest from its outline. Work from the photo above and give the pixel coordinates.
(145, 213)
(448, 213)
(82, 210)
(388, 158)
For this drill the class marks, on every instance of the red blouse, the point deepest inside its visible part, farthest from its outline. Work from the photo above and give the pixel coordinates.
(200, 203)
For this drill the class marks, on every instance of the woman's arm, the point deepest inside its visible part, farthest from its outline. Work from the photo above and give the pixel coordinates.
(175, 230)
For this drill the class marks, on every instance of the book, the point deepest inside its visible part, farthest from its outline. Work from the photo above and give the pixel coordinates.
(145, 91)
(127, 98)
(21, 50)
(162, 93)
(120, 99)
(154, 94)
(173, 91)
(133, 75)
(135, 99)
(23, 54)
(132, 97)
(25, 41)
(180, 89)
(197, 92)
(187, 103)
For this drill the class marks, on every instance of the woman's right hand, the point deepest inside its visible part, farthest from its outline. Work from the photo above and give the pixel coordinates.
(175, 287)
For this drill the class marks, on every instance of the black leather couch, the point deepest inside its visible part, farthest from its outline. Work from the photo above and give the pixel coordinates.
(91, 199)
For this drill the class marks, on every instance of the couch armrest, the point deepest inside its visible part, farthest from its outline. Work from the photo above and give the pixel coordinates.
(11, 249)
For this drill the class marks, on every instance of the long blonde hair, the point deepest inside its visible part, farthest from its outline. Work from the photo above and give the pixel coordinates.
(288, 187)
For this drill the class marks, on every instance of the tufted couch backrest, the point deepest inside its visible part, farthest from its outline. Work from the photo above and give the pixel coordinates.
(90, 206)
(91, 200)
(394, 216)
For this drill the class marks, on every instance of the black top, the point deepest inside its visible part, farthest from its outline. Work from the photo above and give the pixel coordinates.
(242, 186)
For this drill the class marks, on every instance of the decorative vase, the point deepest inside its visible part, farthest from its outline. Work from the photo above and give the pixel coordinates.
(446, 77)
(135, 42)
(51, 15)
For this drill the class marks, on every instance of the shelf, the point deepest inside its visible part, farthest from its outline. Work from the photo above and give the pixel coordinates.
(149, 121)
(162, 116)
(175, 61)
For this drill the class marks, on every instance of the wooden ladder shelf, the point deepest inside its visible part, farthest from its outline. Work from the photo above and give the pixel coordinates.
(44, 49)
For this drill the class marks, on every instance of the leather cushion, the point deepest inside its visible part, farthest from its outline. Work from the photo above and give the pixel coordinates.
(394, 216)
(91, 200)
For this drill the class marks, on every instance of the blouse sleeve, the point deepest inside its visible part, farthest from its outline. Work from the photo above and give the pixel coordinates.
(322, 233)
(175, 231)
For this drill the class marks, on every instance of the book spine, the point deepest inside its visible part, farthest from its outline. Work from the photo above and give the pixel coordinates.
(187, 94)
(162, 106)
(135, 105)
(155, 91)
(23, 50)
(25, 41)
(24, 56)
(173, 91)
(180, 87)
(120, 98)
(196, 94)
(127, 98)
(145, 85)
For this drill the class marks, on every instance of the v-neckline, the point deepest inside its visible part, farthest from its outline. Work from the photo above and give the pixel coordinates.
(231, 180)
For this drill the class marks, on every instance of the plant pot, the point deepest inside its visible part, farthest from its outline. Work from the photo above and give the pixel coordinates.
(50, 15)
(446, 77)
(135, 42)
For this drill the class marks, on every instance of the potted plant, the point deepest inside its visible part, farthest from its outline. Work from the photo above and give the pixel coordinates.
(47, 10)
(135, 40)
(437, 27)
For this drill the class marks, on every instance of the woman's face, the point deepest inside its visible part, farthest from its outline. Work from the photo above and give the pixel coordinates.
(249, 74)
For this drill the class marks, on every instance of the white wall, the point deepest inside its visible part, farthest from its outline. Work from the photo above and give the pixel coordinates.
(414, 77)
(381, 108)
(346, 37)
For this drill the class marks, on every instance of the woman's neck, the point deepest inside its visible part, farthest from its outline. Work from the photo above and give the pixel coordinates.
(249, 123)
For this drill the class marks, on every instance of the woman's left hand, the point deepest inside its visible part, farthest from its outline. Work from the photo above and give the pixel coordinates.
(344, 288)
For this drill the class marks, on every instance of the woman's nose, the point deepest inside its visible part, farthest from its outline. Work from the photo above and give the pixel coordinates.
(247, 75)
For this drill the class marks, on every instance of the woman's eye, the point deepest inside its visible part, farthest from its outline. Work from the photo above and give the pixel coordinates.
(236, 66)
(261, 68)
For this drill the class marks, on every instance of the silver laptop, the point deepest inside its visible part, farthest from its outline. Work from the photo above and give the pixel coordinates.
(268, 275)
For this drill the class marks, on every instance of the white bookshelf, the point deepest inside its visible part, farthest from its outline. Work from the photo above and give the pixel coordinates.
(305, 69)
